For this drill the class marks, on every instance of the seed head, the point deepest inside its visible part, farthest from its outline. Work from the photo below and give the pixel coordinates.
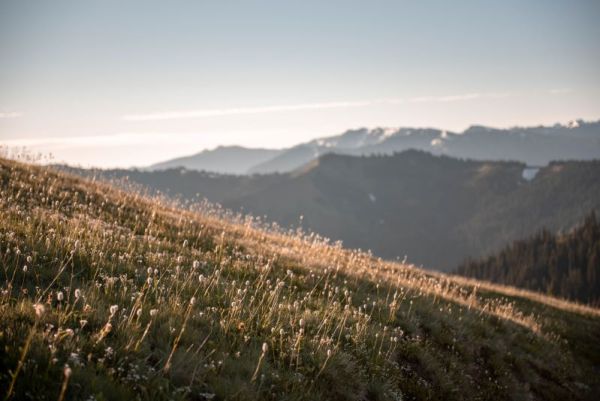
(39, 310)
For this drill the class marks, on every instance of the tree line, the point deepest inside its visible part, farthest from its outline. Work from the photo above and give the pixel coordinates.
(564, 265)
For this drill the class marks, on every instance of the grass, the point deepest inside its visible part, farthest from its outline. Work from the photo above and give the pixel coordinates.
(109, 295)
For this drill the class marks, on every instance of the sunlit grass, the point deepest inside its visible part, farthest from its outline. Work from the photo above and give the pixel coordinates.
(109, 294)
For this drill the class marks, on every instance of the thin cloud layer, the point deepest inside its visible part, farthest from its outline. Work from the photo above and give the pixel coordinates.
(112, 140)
(201, 113)
(10, 114)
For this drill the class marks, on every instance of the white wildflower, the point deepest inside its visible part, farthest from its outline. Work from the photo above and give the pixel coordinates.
(39, 310)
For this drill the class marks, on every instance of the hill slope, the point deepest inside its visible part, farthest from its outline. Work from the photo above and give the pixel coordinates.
(436, 210)
(564, 265)
(109, 295)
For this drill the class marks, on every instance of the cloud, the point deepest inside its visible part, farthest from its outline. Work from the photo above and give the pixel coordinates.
(458, 98)
(202, 113)
(559, 91)
(120, 139)
(10, 114)
(185, 114)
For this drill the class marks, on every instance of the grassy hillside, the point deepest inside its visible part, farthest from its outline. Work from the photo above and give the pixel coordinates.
(436, 210)
(108, 295)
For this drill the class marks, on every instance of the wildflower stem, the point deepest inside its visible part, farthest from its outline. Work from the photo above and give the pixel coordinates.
(260, 359)
(21, 361)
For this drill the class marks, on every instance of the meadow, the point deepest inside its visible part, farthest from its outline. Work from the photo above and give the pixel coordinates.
(112, 294)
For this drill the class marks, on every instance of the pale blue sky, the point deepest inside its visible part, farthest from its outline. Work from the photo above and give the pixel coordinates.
(120, 83)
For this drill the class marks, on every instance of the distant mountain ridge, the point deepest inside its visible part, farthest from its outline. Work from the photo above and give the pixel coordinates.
(578, 140)
(223, 159)
(435, 209)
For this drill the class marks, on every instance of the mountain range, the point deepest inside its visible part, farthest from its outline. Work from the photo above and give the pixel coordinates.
(437, 210)
(223, 159)
(536, 146)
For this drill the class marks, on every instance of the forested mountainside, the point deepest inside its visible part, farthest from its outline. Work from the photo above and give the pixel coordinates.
(566, 265)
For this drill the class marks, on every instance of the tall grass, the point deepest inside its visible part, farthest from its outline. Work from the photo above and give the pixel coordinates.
(110, 294)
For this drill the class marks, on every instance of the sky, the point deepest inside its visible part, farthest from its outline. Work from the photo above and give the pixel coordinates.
(130, 83)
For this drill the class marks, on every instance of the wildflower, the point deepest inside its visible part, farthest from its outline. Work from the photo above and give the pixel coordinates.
(153, 312)
(265, 349)
(192, 300)
(196, 264)
(114, 309)
(77, 293)
(39, 310)
(149, 270)
(25, 269)
(60, 296)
